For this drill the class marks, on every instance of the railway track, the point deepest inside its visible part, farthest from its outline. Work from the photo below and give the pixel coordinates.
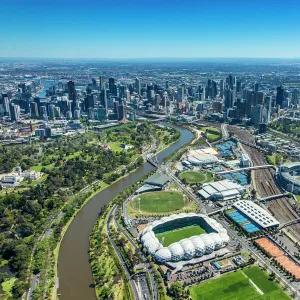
(266, 185)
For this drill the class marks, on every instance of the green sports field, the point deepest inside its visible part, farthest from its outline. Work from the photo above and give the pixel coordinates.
(193, 177)
(179, 234)
(160, 201)
(237, 285)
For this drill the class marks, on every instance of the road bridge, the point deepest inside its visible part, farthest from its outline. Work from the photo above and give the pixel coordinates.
(289, 223)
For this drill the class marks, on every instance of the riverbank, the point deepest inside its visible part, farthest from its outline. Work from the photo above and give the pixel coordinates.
(73, 258)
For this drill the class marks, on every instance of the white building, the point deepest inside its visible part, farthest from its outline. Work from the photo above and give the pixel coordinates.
(245, 160)
(221, 190)
(256, 213)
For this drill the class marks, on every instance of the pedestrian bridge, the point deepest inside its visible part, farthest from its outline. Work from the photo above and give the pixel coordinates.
(245, 169)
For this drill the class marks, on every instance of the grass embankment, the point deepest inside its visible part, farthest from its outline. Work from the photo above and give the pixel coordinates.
(160, 201)
(194, 177)
(237, 285)
(173, 236)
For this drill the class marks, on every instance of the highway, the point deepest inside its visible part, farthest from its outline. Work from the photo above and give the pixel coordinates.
(137, 249)
(122, 262)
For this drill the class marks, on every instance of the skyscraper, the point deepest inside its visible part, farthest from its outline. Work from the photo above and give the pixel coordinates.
(14, 112)
(112, 86)
(138, 86)
(280, 96)
(101, 83)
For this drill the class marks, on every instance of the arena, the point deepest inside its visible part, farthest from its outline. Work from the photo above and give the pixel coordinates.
(289, 176)
(214, 237)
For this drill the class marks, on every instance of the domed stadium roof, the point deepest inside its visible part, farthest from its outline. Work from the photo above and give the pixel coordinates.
(186, 249)
(198, 244)
(177, 252)
(163, 254)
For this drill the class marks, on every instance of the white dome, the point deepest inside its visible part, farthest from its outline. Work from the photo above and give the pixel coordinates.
(225, 238)
(188, 248)
(177, 252)
(217, 240)
(147, 236)
(209, 243)
(163, 254)
(198, 244)
(152, 245)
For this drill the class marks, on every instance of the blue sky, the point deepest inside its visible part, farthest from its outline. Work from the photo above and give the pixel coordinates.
(142, 29)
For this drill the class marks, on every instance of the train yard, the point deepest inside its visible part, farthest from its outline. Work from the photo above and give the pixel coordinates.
(265, 184)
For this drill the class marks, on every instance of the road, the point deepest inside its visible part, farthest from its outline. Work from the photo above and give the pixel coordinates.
(137, 249)
(132, 282)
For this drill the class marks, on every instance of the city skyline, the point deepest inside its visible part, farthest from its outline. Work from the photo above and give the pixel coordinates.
(256, 29)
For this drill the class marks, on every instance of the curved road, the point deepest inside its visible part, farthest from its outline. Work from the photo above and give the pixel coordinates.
(74, 270)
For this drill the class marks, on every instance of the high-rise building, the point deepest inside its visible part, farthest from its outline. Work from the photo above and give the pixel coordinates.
(256, 114)
(259, 98)
(214, 89)
(228, 95)
(122, 111)
(34, 110)
(101, 83)
(295, 96)
(280, 96)
(138, 86)
(71, 91)
(112, 86)
(221, 88)
(14, 112)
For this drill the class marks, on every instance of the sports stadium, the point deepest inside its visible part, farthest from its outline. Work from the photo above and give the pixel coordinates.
(289, 176)
(183, 237)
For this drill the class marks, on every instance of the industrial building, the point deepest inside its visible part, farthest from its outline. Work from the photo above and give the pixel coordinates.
(256, 213)
(221, 190)
(289, 176)
(188, 248)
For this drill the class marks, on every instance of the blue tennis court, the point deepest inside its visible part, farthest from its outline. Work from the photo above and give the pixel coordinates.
(243, 221)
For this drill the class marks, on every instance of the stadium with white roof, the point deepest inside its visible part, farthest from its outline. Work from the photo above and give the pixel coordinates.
(188, 248)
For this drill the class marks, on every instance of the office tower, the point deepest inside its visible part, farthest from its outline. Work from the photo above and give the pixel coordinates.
(231, 81)
(71, 91)
(250, 100)
(157, 99)
(256, 114)
(14, 112)
(217, 106)
(116, 108)
(138, 86)
(240, 108)
(127, 95)
(180, 93)
(112, 86)
(57, 112)
(51, 112)
(256, 87)
(6, 103)
(94, 83)
(89, 101)
(259, 98)
(221, 88)
(228, 95)
(103, 99)
(150, 93)
(214, 89)
(238, 86)
(164, 100)
(122, 111)
(295, 97)
(101, 83)
(91, 115)
(265, 115)
(122, 89)
(280, 96)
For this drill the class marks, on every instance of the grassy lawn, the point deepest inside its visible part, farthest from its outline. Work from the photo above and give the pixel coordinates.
(297, 197)
(7, 286)
(236, 286)
(39, 167)
(180, 234)
(192, 177)
(213, 137)
(268, 287)
(216, 130)
(115, 146)
(271, 159)
(160, 201)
